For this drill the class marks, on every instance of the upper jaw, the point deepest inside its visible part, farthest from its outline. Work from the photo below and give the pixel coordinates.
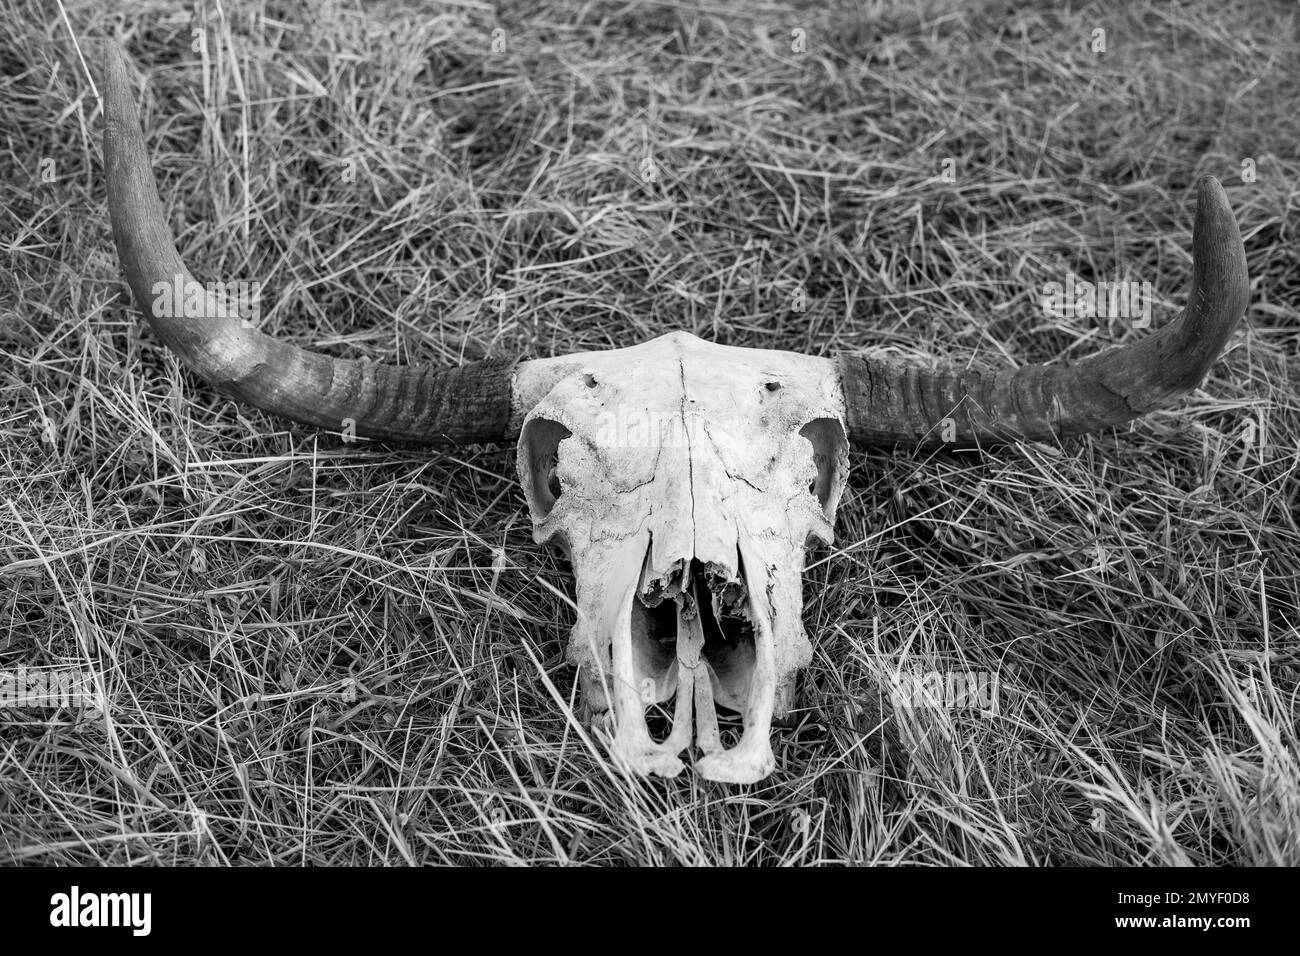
(699, 633)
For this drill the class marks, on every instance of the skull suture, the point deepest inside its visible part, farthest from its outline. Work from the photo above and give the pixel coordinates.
(684, 480)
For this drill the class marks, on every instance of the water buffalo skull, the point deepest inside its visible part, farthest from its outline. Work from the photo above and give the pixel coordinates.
(683, 479)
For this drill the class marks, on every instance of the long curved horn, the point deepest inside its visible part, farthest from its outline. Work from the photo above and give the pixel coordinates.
(471, 403)
(892, 402)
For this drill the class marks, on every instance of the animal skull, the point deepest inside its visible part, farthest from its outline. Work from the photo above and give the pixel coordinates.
(684, 479)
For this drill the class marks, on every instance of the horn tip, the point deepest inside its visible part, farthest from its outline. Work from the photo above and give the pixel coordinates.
(1209, 187)
(112, 59)
(1218, 254)
(1212, 204)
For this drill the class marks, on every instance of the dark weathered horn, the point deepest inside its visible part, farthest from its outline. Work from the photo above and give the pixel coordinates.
(433, 406)
(891, 402)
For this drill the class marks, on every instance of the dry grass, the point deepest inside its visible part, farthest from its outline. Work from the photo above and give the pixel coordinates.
(324, 653)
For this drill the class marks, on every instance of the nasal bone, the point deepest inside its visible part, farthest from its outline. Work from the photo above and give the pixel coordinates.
(694, 682)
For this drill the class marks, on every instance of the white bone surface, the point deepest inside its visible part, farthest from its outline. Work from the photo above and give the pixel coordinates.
(682, 451)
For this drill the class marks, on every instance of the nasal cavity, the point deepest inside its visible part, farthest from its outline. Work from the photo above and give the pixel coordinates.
(654, 641)
(723, 604)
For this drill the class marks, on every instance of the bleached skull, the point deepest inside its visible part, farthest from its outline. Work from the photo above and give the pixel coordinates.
(684, 480)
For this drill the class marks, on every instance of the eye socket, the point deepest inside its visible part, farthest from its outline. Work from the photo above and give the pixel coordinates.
(829, 445)
(539, 447)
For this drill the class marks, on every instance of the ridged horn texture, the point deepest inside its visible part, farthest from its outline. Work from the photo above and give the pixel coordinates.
(471, 403)
(892, 402)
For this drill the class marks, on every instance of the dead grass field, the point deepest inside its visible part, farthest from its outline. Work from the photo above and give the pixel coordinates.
(315, 652)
